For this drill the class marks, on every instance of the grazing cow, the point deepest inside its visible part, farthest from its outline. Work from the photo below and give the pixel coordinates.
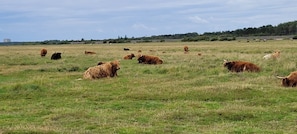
(43, 52)
(147, 59)
(186, 49)
(274, 55)
(126, 49)
(139, 51)
(129, 56)
(89, 52)
(107, 69)
(289, 81)
(240, 66)
(56, 56)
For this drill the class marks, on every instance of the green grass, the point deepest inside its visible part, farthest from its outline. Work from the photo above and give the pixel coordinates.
(186, 94)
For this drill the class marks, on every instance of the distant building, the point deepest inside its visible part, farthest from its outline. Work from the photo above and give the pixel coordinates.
(6, 40)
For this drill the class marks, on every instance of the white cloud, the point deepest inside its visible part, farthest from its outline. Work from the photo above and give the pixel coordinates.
(142, 27)
(197, 19)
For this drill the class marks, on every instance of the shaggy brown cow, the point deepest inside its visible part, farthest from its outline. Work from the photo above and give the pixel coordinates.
(89, 52)
(43, 52)
(274, 55)
(129, 56)
(147, 59)
(186, 49)
(107, 69)
(240, 66)
(289, 81)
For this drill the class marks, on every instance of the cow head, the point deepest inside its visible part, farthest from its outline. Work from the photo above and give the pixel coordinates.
(115, 66)
(288, 83)
(141, 59)
(228, 64)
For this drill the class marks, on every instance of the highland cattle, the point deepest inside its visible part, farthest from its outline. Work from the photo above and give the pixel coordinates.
(274, 55)
(90, 52)
(240, 66)
(148, 59)
(290, 80)
(104, 70)
(186, 49)
(126, 49)
(129, 56)
(56, 56)
(43, 52)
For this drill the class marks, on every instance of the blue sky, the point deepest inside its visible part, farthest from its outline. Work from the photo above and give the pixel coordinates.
(39, 20)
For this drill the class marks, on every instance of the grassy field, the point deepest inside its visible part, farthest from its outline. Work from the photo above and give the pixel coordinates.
(186, 94)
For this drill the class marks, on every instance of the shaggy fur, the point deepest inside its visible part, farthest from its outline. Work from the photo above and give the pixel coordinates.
(107, 69)
(129, 56)
(290, 81)
(89, 52)
(186, 49)
(56, 56)
(240, 66)
(43, 52)
(147, 59)
(274, 55)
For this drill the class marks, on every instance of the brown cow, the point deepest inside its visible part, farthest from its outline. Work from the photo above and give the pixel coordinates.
(107, 69)
(43, 52)
(240, 66)
(289, 81)
(148, 59)
(186, 49)
(129, 56)
(89, 52)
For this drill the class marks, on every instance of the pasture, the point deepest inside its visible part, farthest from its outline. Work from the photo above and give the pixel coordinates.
(188, 93)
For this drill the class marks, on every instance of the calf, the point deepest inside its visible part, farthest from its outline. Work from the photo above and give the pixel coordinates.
(274, 55)
(129, 56)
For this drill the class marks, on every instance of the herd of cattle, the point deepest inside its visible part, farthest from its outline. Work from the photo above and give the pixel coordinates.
(109, 69)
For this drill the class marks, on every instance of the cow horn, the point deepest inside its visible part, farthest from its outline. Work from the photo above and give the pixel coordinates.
(279, 77)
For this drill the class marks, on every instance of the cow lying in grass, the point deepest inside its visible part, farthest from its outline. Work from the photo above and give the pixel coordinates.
(274, 55)
(107, 69)
(148, 59)
(289, 81)
(129, 56)
(240, 66)
(90, 52)
(56, 56)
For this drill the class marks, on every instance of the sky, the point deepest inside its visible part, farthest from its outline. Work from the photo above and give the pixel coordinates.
(39, 20)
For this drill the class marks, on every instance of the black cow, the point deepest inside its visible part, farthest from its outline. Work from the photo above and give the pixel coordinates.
(56, 56)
